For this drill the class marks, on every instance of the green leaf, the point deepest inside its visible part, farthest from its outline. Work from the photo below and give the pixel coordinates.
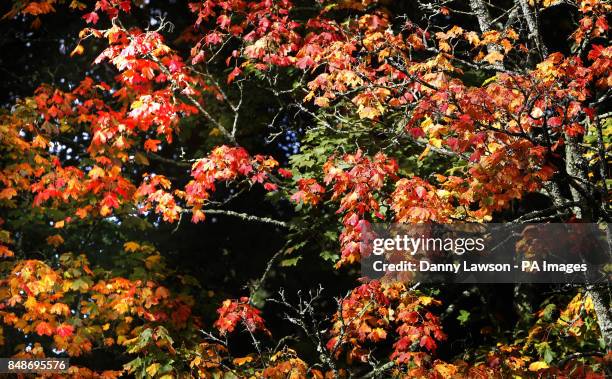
(549, 312)
(329, 255)
(545, 352)
(290, 261)
(143, 340)
(463, 317)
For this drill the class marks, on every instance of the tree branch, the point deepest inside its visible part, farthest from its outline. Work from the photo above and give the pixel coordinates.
(532, 25)
(246, 217)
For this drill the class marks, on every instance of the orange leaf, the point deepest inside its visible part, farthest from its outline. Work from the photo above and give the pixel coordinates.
(44, 329)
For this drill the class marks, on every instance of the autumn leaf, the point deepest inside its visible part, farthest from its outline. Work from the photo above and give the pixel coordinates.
(537, 366)
(152, 369)
(55, 240)
(60, 309)
(428, 343)
(7, 193)
(322, 102)
(78, 50)
(243, 360)
(91, 18)
(64, 330)
(44, 329)
(131, 246)
(493, 57)
(152, 145)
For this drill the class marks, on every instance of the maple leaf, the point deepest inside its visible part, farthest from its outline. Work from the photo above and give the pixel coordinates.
(78, 50)
(131, 246)
(152, 145)
(44, 329)
(5, 252)
(428, 342)
(60, 309)
(537, 366)
(223, 21)
(377, 335)
(322, 102)
(38, 8)
(91, 18)
(7, 193)
(233, 74)
(493, 57)
(285, 173)
(64, 330)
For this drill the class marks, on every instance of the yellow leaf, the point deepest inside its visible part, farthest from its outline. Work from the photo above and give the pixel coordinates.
(368, 112)
(446, 370)
(136, 104)
(30, 302)
(444, 46)
(152, 261)
(121, 307)
(322, 102)
(493, 57)
(443, 193)
(425, 300)
(152, 369)
(473, 38)
(424, 153)
(59, 309)
(131, 246)
(435, 142)
(96, 172)
(59, 224)
(427, 122)
(78, 50)
(40, 141)
(537, 366)
(588, 305)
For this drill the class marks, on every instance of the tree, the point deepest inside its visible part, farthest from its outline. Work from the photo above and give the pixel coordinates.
(427, 111)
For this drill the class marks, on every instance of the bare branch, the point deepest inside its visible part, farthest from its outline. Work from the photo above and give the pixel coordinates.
(247, 217)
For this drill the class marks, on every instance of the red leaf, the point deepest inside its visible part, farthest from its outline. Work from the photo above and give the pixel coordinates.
(285, 173)
(44, 329)
(232, 75)
(151, 144)
(428, 342)
(64, 330)
(270, 187)
(91, 18)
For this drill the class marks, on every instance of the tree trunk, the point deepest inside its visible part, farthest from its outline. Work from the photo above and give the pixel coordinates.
(602, 306)
(484, 21)
(532, 25)
(576, 168)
